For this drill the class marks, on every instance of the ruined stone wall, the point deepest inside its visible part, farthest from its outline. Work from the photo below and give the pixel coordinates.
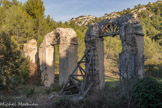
(131, 36)
(68, 48)
(30, 51)
(130, 59)
(46, 60)
(96, 74)
(68, 45)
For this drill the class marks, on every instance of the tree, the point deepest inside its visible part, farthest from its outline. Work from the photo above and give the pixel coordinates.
(36, 9)
(15, 2)
(6, 4)
(150, 51)
(18, 23)
(14, 67)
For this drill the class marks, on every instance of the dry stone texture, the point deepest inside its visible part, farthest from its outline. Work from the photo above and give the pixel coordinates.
(30, 50)
(68, 52)
(131, 57)
(67, 41)
(46, 59)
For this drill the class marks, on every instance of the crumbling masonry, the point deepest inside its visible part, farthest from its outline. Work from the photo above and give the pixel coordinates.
(91, 65)
(68, 45)
(131, 59)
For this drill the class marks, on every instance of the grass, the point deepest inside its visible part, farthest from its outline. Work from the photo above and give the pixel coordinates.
(112, 82)
(110, 97)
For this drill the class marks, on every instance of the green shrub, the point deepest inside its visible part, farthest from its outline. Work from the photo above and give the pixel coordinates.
(153, 70)
(147, 93)
(107, 98)
(14, 68)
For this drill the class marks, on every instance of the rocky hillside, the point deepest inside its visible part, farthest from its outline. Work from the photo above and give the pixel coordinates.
(83, 20)
(86, 20)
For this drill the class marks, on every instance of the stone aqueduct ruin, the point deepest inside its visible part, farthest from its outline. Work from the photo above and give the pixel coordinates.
(131, 59)
(68, 46)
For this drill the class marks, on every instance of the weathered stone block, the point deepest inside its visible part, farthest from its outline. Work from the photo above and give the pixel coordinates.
(131, 57)
(68, 44)
(46, 59)
(68, 47)
(30, 50)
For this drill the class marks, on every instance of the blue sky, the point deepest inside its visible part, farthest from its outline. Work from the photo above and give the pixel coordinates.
(64, 10)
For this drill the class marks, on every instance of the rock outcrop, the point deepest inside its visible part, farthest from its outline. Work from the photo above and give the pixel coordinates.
(83, 20)
(67, 41)
(111, 15)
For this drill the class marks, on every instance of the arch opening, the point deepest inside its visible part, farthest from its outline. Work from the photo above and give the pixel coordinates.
(59, 45)
(131, 64)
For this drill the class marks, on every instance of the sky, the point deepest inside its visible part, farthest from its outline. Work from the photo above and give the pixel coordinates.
(64, 10)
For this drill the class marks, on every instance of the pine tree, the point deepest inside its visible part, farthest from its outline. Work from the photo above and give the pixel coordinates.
(14, 67)
(19, 24)
(36, 9)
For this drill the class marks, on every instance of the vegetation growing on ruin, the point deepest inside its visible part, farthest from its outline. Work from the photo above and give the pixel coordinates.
(22, 22)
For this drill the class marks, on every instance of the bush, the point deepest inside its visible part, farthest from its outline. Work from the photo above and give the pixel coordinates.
(107, 98)
(147, 93)
(14, 68)
(153, 70)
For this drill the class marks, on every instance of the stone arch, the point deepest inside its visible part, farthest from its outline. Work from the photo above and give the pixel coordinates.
(66, 38)
(131, 63)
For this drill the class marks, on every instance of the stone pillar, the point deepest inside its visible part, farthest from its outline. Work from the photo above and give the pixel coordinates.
(68, 48)
(131, 57)
(140, 50)
(30, 50)
(131, 64)
(95, 74)
(46, 59)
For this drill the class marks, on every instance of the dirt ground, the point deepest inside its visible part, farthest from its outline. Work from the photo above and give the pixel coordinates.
(40, 96)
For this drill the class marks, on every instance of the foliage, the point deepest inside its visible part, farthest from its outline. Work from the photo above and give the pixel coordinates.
(35, 8)
(147, 93)
(13, 66)
(107, 98)
(150, 49)
(153, 70)
(112, 48)
(22, 22)
(18, 23)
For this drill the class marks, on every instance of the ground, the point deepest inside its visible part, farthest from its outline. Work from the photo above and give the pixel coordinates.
(110, 97)
(39, 94)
